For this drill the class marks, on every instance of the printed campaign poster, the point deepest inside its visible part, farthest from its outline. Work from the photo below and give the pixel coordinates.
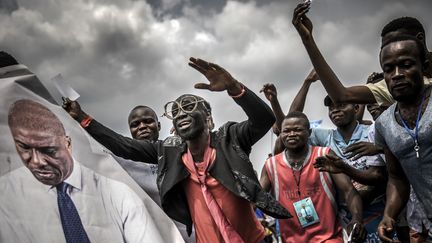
(57, 184)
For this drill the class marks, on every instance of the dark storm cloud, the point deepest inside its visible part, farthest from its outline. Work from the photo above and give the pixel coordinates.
(8, 6)
(118, 54)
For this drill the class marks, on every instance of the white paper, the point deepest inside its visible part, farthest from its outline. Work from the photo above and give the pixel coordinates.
(64, 88)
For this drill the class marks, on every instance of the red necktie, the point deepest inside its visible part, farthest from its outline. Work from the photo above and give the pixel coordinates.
(227, 231)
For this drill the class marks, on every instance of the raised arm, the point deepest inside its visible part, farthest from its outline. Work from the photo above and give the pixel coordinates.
(300, 99)
(270, 92)
(337, 92)
(333, 164)
(363, 148)
(260, 116)
(137, 150)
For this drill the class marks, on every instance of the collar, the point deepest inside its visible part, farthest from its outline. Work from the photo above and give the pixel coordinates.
(356, 135)
(12, 68)
(213, 142)
(305, 161)
(74, 179)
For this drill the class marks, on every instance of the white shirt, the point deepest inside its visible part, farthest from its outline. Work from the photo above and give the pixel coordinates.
(109, 210)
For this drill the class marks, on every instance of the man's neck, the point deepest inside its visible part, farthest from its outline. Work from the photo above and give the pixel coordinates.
(198, 145)
(348, 130)
(410, 109)
(297, 154)
(413, 102)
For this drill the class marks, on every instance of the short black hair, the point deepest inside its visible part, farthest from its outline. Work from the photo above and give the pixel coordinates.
(410, 24)
(375, 78)
(6, 59)
(328, 101)
(422, 49)
(141, 107)
(298, 114)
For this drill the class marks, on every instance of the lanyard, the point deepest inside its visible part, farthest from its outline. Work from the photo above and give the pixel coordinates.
(414, 136)
(299, 177)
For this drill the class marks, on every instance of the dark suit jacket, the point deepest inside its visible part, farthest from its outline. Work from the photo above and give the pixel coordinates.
(232, 167)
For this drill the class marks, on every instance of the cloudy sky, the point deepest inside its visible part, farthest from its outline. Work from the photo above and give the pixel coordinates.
(121, 53)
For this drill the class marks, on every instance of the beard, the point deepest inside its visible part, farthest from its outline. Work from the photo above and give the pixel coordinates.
(409, 97)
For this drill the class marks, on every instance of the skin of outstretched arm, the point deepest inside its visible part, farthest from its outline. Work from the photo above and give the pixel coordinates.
(277, 110)
(372, 176)
(350, 194)
(264, 180)
(336, 90)
(300, 99)
(270, 93)
(397, 193)
(363, 148)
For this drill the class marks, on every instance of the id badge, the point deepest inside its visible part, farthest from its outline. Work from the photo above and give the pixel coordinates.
(305, 212)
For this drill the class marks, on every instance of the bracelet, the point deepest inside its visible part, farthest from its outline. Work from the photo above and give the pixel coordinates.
(86, 121)
(243, 91)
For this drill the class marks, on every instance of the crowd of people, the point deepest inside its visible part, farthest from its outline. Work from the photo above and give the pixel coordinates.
(359, 182)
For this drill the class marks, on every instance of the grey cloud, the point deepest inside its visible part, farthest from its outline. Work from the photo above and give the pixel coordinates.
(8, 6)
(118, 54)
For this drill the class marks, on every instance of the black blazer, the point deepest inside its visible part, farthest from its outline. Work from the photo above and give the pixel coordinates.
(232, 167)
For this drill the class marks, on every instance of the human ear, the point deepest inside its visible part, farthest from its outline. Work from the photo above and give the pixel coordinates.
(420, 36)
(356, 107)
(210, 123)
(68, 142)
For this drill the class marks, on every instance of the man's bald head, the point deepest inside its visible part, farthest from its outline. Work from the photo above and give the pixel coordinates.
(40, 141)
(33, 116)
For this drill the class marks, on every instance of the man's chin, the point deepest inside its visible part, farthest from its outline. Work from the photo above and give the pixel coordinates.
(293, 147)
(404, 98)
(48, 182)
(144, 137)
(189, 134)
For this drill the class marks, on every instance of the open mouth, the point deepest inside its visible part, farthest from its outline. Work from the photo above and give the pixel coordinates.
(184, 124)
(291, 140)
(144, 134)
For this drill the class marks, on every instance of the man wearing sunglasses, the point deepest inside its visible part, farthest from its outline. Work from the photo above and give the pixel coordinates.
(206, 179)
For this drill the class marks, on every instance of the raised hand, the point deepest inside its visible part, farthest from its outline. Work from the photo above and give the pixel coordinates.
(74, 109)
(269, 91)
(218, 77)
(358, 233)
(329, 163)
(361, 149)
(301, 22)
(312, 76)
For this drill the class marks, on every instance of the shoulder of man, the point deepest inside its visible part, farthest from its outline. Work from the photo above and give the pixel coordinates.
(224, 129)
(171, 141)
